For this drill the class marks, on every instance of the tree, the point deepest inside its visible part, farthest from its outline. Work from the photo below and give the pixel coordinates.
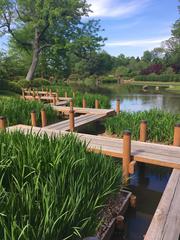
(172, 46)
(147, 56)
(54, 24)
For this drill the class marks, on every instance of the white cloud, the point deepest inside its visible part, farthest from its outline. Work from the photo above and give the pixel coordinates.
(116, 8)
(134, 43)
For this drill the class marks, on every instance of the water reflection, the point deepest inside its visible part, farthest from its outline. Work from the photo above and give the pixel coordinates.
(133, 98)
(147, 184)
(141, 102)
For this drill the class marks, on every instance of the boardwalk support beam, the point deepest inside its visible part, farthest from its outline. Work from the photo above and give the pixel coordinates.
(84, 103)
(71, 120)
(43, 118)
(143, 131)
(2, 122)
(96, 103)
(117, 105)
(71, 104)
(176, 141)
(33, 119)
(126, 155)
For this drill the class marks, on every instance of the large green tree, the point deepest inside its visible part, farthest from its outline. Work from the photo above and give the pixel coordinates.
(37, 25)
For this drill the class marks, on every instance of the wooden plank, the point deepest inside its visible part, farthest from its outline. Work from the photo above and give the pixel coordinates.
(79, 121)
(108, 112)
(165, 224)
(113, 147)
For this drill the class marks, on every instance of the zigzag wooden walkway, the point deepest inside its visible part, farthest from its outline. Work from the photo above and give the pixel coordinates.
(166, 221)
(62, 101)
(63, 109)
(78, 122)
(156, 154)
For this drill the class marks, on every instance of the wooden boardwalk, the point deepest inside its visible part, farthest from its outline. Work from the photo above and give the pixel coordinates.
(78, 122)
(99, 111)
(165, 224)
(61, 100)
(156, 154)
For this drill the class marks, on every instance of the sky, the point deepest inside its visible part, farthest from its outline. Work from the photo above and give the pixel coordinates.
(133, 26)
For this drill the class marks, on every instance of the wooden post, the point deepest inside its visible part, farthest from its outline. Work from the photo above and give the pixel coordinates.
(65, 95)
(176, 141)
(43, 118)
(133, 201)
(71, 104)
(119, 222)
(143, 131)
(57, 96)
(54, 100)
(33, 119)
(117, 105)
(71, 120)
(74, 94)
(126, 154)
(97, 103)
(132, 166)
(84, 103)
(2, 122)
(50, 93)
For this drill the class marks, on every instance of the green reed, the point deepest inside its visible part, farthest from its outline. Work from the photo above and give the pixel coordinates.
(89, 97)
(17, 111)
(52, 188)
(160, 124)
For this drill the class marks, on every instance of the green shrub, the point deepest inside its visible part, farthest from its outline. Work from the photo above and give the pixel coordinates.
(3, 84)
(52, 188)
(23, 83)
(160, 124)
(14, 87)
(159, 78)
(18, 111)
(37, 82)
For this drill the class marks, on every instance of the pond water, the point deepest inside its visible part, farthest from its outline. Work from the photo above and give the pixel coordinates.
(133, 98)
(149, 182)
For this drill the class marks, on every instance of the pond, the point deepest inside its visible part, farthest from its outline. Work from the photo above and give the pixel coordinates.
(134, 98)
(149, 182)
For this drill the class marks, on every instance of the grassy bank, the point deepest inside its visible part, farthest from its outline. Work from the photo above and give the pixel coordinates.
(150, 83)
(17, 111)
(159, 77)
(51, 188)
(173, 89)
(160, 124)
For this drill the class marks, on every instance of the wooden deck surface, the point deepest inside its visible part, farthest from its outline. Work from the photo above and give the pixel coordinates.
(156, 154)
(78, 122)
(165, 224)
(107, 112)
(47, 98)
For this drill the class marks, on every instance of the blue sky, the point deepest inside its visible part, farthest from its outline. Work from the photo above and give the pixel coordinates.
(133, 26)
